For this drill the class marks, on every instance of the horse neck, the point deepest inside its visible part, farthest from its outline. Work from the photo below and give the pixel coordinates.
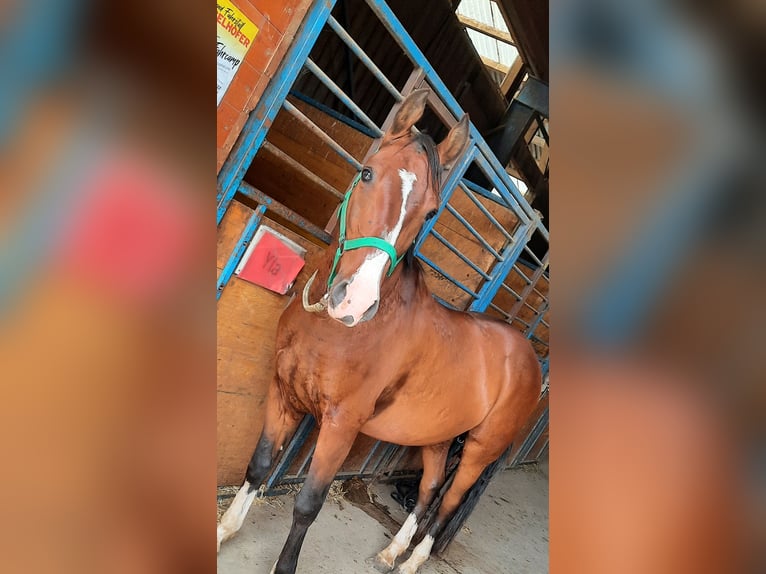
(405, 287)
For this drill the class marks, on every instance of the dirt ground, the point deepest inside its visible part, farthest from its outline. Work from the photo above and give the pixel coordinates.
(507, 533)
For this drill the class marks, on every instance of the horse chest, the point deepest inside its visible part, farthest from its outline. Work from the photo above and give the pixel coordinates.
(315, 370)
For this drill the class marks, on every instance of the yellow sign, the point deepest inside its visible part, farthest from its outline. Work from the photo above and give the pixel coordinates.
(235, 36)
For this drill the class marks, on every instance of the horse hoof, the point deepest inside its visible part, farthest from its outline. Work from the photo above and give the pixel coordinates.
(379, 564)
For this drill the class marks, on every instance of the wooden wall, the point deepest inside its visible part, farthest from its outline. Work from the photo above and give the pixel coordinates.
(247, 321)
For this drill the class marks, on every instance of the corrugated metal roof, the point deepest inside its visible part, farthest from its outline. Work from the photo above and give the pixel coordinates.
(488, 13)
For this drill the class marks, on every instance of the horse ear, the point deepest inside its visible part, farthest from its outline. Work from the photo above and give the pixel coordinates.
(449, 149)
(409, 113)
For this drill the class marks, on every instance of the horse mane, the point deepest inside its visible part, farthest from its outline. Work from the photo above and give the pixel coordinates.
(426, 144)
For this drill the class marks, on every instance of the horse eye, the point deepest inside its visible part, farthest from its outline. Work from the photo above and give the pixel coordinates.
(430, 214)
(366, 174)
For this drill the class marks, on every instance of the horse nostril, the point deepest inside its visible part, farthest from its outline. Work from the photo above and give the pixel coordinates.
(370, 313)
(338, 293)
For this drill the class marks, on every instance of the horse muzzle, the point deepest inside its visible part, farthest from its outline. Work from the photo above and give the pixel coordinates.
(351, 303)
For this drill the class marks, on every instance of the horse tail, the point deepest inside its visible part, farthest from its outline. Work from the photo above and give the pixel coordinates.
(471, 498)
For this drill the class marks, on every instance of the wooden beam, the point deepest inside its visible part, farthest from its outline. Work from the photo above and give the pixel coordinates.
(485, 29)
(502, 68)
(511, 78)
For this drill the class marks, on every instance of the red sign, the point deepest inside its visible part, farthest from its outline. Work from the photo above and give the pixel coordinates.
(272, 263)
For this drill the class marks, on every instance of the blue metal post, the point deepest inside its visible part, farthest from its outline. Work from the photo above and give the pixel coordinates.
(239, 249)
(260, 119)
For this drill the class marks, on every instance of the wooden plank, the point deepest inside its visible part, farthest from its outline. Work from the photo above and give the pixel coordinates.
(486, 29)
(513, 78)
(502, 68)
(230, 230)
(247, 322)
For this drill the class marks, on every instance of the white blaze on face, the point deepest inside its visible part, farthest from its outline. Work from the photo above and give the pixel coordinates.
(363, 289)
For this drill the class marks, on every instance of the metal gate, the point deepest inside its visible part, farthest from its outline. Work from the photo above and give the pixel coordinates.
(502, 274)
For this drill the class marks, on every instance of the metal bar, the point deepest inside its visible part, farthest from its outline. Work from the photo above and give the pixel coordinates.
(531, 287)
(378, 465)
(499, 310)
(536, 322)
(531, 253)
(445, 303)
(531, 439)
(294, 446)
(542, 230)
(441, 111)
(530, 307)
(359, 53)
(239, 249)
(484, 210)
(473, 231)
(259, 121)
(524, 278)
(399, 456)
(448, 188)
(349, 61)
(274, 206)
(526, 325)
(385, 460)
(319, 133)
(500, 272)
(306, 460)
(512, 292)
(405, 41)
(449, 277)
(369, 456)
(341, 95)
(518, 204)
(335, 114)
(462, 257)
(297, 166)
(487, 194)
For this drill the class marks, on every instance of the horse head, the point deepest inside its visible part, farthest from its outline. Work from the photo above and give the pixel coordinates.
(384, 210)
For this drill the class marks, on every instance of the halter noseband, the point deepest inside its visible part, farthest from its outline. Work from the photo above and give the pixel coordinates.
(349, 244)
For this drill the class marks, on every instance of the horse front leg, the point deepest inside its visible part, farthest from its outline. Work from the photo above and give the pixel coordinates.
(333, 445)
(279, 425)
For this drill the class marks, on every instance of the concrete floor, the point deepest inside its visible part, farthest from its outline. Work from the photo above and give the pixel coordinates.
(507, 533)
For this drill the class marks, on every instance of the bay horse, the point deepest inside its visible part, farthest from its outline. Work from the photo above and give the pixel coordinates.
(378, 355)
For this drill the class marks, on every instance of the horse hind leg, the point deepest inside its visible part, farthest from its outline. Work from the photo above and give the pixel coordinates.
(474, 460)
(434, 460)
(280, 423)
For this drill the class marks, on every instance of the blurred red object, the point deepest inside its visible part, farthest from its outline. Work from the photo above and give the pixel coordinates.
(131, 234)
(272, 262)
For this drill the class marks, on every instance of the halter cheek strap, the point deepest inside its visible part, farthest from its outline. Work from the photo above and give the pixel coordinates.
(349, 244)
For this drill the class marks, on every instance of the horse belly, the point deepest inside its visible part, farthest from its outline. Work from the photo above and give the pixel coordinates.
(412, 422)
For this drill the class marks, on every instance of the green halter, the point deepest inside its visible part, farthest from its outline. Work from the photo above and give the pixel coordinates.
(349, 244)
